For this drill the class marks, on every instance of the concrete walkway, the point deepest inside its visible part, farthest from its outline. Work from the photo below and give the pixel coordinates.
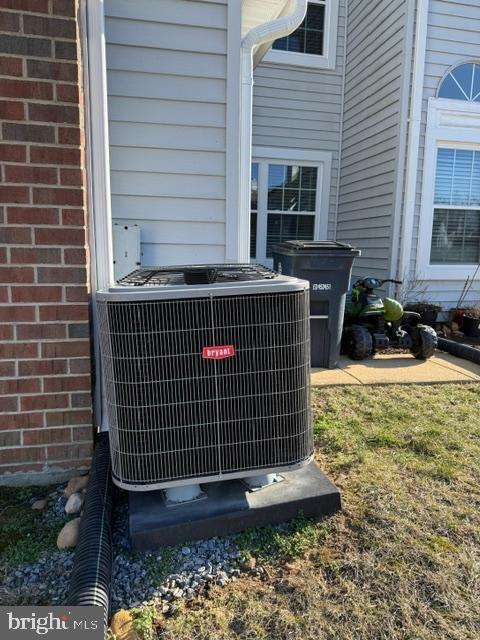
(401, 368)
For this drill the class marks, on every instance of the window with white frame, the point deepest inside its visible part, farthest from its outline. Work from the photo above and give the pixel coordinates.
(313, 43)
(253, 210)
(287, 197)
(448, 246)
(309, 36)
(456, 215)
(462, 83)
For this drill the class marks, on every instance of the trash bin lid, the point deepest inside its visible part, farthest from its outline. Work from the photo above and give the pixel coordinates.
(316, 247)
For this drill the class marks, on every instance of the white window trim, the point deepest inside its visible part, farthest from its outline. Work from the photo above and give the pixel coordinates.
(450, 124)
(269, 155)
(325, 61)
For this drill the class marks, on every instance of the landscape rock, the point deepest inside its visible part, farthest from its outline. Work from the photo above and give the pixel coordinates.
(248, 564)
(39, 505)
(75, 485)
(68, 536)
(447, 332)
(122, 627)
(74, 503)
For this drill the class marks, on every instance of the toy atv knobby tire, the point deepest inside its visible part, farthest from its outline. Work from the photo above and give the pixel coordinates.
(357, 342)
(424, 342)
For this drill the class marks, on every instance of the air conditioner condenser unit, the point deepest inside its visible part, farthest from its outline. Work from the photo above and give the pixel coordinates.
(206, 374)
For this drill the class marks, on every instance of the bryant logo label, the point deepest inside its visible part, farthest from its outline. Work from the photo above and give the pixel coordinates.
(321, 286)
(25, 623)
(218, 353)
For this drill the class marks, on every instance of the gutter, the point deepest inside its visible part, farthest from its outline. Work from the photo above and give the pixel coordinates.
(403, 267)
(262, 34)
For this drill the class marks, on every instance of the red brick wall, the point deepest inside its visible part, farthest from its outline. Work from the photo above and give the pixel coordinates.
(45, 386)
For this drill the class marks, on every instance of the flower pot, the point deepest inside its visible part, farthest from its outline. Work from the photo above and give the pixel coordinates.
(429, 316)
(456, 316)
(471, 326)
(428, 313)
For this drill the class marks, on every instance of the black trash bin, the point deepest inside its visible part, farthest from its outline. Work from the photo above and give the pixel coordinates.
(328, 267)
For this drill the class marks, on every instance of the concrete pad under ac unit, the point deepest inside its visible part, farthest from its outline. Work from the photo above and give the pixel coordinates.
(230, 507)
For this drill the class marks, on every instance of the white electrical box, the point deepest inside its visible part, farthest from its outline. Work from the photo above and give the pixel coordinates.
(126, 249)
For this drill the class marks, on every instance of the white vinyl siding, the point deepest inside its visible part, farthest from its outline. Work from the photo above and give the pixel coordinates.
(166, 79)
(452, 38)
(299, 108)
(371, 131)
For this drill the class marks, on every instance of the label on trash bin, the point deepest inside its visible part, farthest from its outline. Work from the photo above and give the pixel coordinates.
(321, 286)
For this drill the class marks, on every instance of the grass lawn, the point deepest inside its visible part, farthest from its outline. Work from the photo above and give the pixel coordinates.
(22, 540)
(402, 561)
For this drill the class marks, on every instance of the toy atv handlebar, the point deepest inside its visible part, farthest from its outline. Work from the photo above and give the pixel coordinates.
(374, 283)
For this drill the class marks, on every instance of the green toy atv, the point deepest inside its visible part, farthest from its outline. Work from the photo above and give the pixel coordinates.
(372, 324)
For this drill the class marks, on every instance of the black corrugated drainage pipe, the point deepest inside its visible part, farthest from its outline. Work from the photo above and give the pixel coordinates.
(92, 567)
(464, 351)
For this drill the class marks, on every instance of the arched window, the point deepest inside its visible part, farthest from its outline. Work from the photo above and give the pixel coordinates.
(462, 83)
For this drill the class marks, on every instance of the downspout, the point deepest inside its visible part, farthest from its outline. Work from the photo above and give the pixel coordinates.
(342, 113)
(403, 266)
(98, 175)
(404, 107)
(267, 32)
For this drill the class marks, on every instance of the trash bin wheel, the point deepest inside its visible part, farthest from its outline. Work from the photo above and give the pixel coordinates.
(358, 342)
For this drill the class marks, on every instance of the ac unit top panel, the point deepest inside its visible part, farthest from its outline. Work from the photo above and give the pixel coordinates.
(196, 274)
(195, 281)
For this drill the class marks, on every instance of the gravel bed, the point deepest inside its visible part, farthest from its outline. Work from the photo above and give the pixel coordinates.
(45, 581)
(56, 507)
(138, 578)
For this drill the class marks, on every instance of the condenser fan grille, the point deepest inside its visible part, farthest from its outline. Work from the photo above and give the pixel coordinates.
(193, 274)
(206, 387)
